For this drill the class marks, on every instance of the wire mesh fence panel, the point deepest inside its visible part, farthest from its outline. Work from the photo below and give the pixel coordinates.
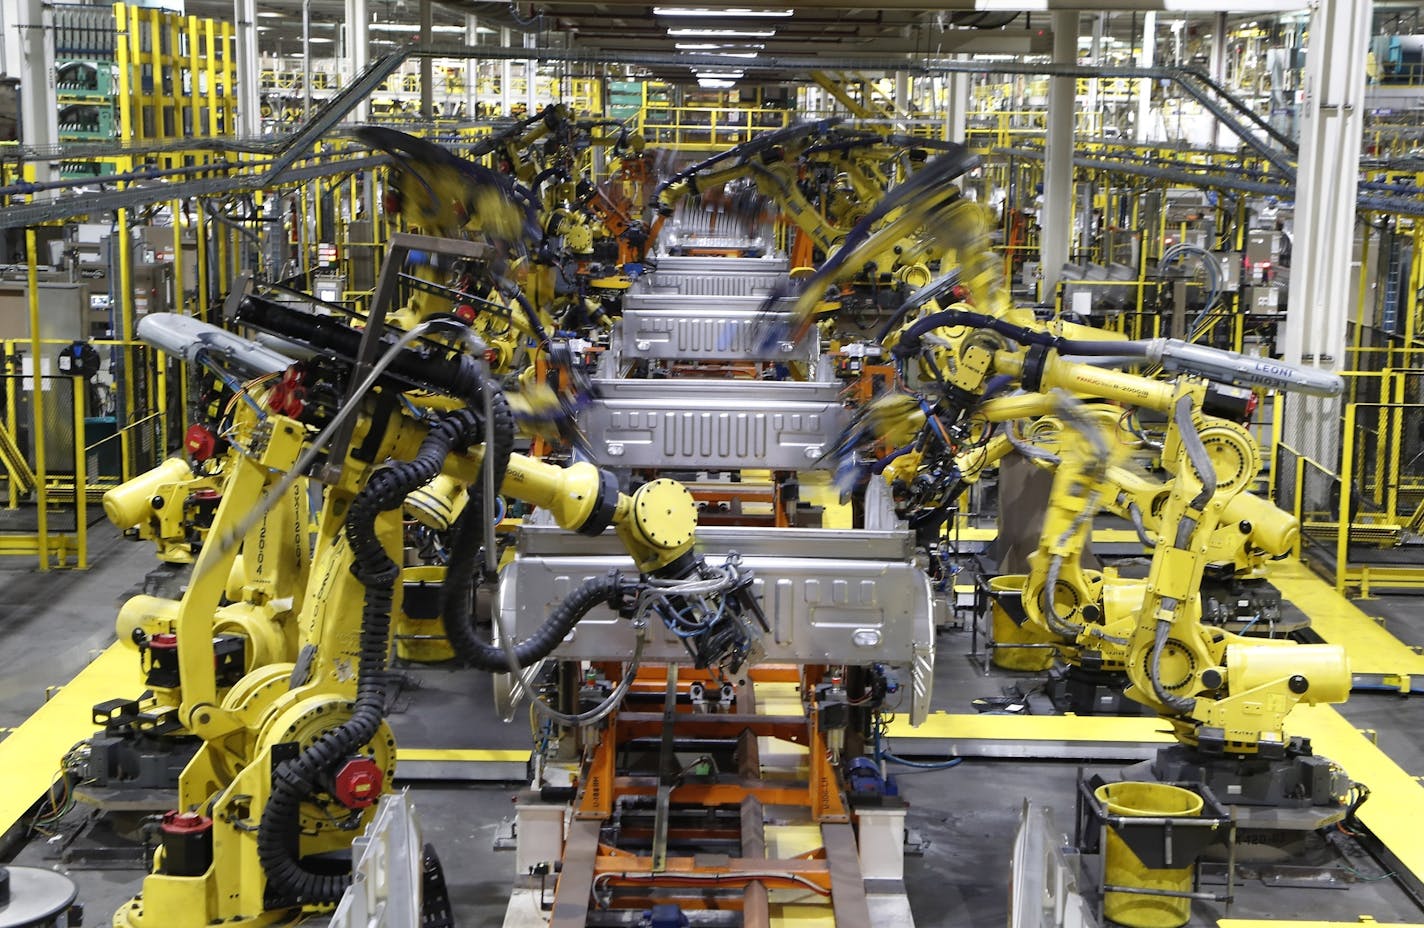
(52, 431)
(1319, 509)
(1283, 482)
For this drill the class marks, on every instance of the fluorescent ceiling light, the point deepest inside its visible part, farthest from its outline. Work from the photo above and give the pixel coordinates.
(703, 11)
(729, 75)
(709, 83)
(722, 54)
(721, 33)
(318, 38)
(412, 27)
(270, 14)
(714, 46)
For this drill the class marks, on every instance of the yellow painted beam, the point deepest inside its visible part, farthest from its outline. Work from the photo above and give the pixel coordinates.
(1372, 649)
(30, 755)
(471, 756)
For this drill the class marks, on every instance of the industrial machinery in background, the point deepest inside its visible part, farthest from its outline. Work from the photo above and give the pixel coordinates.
(693, 639)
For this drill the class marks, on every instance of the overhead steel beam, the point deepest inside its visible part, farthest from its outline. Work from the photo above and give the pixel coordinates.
(93, 204)
(989, 42)
(987, 6)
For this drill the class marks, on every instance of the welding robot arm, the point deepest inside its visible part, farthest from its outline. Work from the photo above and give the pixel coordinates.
(1219, 692)
(327, 703)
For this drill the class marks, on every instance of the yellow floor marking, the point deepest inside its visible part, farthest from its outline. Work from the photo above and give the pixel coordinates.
(1393, 793)
(1372, 649)
(946, 725)
(1364, 920)
(30, 754)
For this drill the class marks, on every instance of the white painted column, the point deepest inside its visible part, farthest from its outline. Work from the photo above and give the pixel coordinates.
(11, 60)
(1332, 119)
(249, 109)
(472, 66)
(39, 111)
(1144, 87)
(902, 99)
(531, 77)
(358, 50)
(506, 75)
(1056, 220)
(958, 99)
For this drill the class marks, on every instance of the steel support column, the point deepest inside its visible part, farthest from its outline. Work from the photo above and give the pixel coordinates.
(1144, 86)
(39, 113)
(472, 67)
(427, 64)
(531, 77)
(1056, 220)
(956, 111)
(358, 49)
(1218, 68)
(506, 76)
(1332, 119)
(11, 58)
(249, 110)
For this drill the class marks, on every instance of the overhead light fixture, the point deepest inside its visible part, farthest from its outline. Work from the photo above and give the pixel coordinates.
(703, 11)
(721, 33)
(725, 75)
(319, 39)
(270, 14)
(412, 28)
(716, 46)
(711, 83)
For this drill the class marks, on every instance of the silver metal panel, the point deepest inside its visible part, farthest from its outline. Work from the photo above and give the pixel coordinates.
(719, 425)
(681, 264)
(821, 610)
(546, 538)
(713, 334)
(743, 284)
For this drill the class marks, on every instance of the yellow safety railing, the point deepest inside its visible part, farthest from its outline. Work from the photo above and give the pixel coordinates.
(698, 127)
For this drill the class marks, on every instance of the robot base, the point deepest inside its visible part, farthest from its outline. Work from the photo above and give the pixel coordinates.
(1082, 691)
(1298, 779)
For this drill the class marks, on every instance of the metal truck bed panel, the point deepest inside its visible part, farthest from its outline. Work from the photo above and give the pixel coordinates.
(712, 334)
(821, 610)
(712, 424)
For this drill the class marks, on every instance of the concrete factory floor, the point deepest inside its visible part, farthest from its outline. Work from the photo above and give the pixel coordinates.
(965, 817)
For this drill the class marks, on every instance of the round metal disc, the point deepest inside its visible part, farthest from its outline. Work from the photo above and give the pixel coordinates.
(36, 897)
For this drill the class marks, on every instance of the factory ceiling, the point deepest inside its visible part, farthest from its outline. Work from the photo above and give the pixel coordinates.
(623, 29)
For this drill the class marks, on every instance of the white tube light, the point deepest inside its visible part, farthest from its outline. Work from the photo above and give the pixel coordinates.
(721, 33)
(412, 27)
(703, 11)
(715, 46)
(709, 83)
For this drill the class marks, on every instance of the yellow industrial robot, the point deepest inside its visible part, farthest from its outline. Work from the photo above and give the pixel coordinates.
(1226, 697)
(296, 752)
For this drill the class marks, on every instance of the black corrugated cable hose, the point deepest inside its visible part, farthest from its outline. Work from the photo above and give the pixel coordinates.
(296, 779)
(462, 569)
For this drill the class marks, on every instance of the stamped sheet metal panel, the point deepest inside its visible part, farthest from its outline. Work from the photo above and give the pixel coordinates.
(672, 265)
(713, 334)
(713, 424)
(821, 610)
